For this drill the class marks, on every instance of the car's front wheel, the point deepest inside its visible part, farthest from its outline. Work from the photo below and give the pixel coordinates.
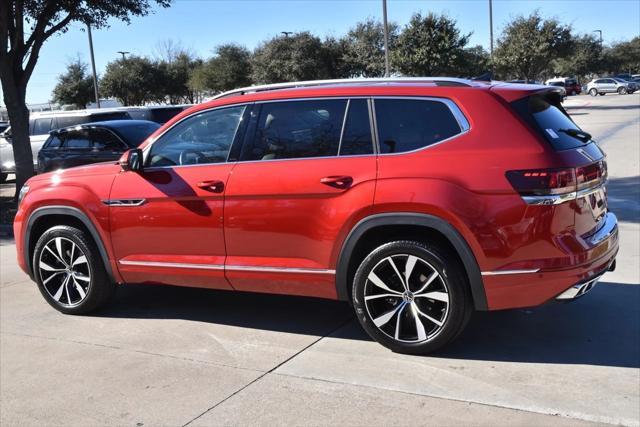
(593, 92)
(69, 271)
(622, 90)
(411, 297)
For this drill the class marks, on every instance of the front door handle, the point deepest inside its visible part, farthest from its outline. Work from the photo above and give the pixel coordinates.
(342, 182)
(214, 185)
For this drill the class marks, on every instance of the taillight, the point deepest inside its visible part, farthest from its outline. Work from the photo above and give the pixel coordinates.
(554, 186)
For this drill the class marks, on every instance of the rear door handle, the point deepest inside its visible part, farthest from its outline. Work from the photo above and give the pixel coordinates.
(342, 182)
(214, 185)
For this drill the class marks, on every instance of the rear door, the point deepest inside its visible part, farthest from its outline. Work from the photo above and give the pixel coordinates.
(306, 174)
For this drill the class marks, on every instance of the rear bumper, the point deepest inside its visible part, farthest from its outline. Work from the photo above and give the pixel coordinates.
(527, 288)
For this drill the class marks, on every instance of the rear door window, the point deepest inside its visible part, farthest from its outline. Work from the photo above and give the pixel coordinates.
(297, 129)
(77, 140)
(104, 140)
(42, 126)
(356, 136)
(409, 124)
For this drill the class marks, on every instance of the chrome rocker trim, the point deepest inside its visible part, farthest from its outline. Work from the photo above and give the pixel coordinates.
(505, 272)
(228, 267)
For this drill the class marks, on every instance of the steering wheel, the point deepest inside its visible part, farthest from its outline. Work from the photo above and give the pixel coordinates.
(185, 153)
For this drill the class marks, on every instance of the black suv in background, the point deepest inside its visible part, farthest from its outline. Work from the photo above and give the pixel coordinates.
(92, 143)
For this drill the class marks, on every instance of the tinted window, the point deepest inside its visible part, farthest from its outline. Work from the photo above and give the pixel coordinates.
(105, 140)
(77, 139)
(52, 142)
(104, 117)
(42, 126)
(63, 122)
(356, 136)
(409, 124)
(549, 117)
(163, 115)
(297, 129)
(135, 134)
(202, 138)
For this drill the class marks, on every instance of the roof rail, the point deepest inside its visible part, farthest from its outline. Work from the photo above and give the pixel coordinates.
(449, 81)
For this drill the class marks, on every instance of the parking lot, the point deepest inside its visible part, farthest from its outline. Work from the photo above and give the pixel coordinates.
(178, 356)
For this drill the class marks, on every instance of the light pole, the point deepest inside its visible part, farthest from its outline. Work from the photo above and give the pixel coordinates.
(93, 67)
(599, 32)
(123, 53)
(386, 38)
(491, 29)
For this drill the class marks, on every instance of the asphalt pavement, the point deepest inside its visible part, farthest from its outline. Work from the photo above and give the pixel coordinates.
(178, 356)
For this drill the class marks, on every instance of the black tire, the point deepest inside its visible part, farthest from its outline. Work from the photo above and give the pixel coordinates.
(452, 315)
(47, 263)
(593, 92)
(622, 91)
(573, 92)
(602, 94)
(3, 177)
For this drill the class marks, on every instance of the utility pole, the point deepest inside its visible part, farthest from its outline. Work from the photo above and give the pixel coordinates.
(123, 53)
(599, 32)
(491, 28)
(386, 38)
(93, 67)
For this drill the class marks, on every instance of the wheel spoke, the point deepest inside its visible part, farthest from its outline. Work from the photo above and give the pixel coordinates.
(55, 255)
(66, 288)
(384, 319)
(47, 267)
(73, 250)
(80, 260)
(438, 296)
(422, 335)
(51, 277)
(429, 318)
(373, 278)
(58, 293)
(79, 288)
(370, 297)
(398, 321)
(408, 268)
(81, 277)
(393, 264)
(59, 249)
(431, 278)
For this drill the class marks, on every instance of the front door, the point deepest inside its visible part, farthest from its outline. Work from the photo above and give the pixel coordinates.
(167, 221)
(305, 176)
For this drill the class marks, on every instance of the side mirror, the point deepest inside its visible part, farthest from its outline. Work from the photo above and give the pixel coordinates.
(131, 160)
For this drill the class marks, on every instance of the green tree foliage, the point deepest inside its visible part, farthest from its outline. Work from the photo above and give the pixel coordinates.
(75, 86)
(363, 48)
(622, 57)
(529, 44)
(583, 61)
(430, 45)
(473, 61)
(228, 69)
(132, 81)
(300, 56)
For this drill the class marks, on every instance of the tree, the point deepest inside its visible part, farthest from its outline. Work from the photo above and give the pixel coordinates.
(75, 86)
(474, 61)
(133, 81)
(228, 69)
(289, 58)
(584, 60)
(25, 25)
(622, 57)
(429, 45)
(529, 44)
(364, 48)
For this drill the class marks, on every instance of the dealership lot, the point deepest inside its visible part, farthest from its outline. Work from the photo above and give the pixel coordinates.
(174, 356)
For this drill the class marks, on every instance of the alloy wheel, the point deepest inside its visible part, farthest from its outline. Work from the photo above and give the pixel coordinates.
(64, 271)
(406, 298)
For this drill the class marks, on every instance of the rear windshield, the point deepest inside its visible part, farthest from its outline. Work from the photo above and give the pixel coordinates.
(135, 134)
(547, 116)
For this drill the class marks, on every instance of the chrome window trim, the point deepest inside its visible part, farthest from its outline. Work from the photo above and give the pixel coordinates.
(249, 268)
(507, 272)
(556, 199)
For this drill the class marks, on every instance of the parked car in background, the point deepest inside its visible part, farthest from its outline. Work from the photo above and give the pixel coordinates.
(563, 90)
(571, 85)
(406, 199)
(155, 113)
(605, 85)
(40, 124)
(92, 143)
(3, 127)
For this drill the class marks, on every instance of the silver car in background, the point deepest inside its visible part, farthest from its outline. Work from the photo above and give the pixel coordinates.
(606, 85)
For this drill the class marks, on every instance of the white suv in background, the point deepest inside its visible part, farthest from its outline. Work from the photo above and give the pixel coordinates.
(606, 85)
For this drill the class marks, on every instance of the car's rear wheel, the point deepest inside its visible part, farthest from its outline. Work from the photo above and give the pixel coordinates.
(622, 90)
(411, 297)
(593, 92)
(69, 271)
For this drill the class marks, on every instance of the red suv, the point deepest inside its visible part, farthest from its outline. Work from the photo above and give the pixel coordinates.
(416, 200)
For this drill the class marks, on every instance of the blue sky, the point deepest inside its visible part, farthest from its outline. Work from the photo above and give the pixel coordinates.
(200, 25)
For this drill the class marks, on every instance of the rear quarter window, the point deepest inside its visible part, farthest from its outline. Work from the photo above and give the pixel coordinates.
(409, 124)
